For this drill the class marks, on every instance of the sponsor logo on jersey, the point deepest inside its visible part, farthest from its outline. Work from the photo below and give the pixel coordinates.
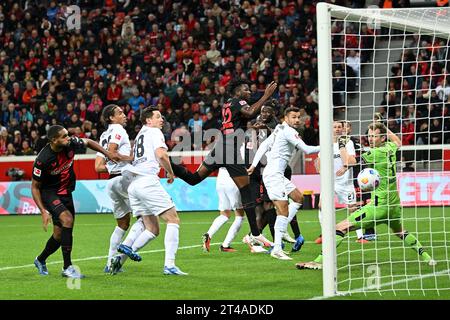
(37, 172)
(56, 202)
(61, 169)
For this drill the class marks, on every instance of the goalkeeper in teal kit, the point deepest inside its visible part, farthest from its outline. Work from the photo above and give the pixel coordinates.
(384, 206)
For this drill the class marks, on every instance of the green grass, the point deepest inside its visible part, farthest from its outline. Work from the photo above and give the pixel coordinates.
(216, 275)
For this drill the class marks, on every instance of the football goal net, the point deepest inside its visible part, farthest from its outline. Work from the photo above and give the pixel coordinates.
(389, 66)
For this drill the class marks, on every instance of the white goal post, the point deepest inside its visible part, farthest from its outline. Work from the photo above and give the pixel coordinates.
(422, 21)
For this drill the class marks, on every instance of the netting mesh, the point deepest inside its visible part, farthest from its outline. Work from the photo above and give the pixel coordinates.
(393, 66)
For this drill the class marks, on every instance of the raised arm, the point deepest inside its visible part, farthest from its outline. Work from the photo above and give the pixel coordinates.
(262, 149)
(254, 109)
(393, 137)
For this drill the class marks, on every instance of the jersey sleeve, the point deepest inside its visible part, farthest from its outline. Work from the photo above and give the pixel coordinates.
(117, 136)
(38, 169)
(158, 140)
(368, 157)
(350, 146)
(392, 147)
(293, 138)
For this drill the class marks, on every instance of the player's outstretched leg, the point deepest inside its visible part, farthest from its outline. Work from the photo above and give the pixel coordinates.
(411, 241)
(116, 237)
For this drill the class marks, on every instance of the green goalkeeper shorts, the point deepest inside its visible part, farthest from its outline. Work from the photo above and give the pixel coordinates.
(377, 212)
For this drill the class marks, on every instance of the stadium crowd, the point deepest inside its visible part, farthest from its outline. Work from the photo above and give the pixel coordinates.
(176, 55)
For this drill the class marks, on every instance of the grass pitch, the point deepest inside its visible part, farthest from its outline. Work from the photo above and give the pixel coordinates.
(224, 276)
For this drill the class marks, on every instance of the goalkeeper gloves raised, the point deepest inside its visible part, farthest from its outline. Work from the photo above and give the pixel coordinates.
(342, 141)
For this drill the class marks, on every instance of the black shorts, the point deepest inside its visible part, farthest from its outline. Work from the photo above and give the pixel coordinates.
(57, 204)
(255, 187)
(226, 153)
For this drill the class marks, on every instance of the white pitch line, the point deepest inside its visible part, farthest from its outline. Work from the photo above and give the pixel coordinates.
(101, 257)
(428, 275)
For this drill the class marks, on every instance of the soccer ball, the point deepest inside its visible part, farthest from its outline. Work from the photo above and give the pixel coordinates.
(368, 179)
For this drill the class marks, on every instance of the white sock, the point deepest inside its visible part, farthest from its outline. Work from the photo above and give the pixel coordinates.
(136, 229)
(114, 242)
(232, 232)
(280, 228)
(145, 237)
(359, 233)
(320, 217)
(217, 224)
(293, 208)
(171, 240)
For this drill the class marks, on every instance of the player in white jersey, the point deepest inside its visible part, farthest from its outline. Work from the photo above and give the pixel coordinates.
(115, 139)
(229, 200)
(344, 156)
(280, 146)
(148, 198)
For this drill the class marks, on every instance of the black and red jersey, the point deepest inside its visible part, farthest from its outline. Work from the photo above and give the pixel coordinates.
(232, 118)
(55, 169)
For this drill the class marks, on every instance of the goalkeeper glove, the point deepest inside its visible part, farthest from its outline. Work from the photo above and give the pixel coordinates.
(342, 141)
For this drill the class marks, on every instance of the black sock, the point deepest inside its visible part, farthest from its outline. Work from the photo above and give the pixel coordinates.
(50, 248)
(185, 175)
(251, 217)
(66, 246)
(271, 215)
(295, 227)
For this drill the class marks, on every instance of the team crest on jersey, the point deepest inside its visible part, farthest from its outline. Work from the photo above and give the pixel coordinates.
(70, 154)
(56, 202)
(37, 172)
(118, 136)
(242, 102)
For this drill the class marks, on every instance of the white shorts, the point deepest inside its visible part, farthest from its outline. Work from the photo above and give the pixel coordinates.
(229, 197)
(345, 194)
(277, 185)
(148, 197)
(117, 191)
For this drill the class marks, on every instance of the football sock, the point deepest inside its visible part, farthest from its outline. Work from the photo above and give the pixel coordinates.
(280, 228)
(50, 248)
(271, 216)
(251, 217)
(114, 242)
(66, 246)
(412, 241)
(184, 174)
(295, 227)
(232, 232)
(339, 238)
(293, 208)
(217, 224)
(249, 206)
(136, 229)
(145, 237)
(171, 240)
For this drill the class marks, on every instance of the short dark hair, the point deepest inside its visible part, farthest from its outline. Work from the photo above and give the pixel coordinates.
(54, 131)
(291, 109)
(147, 113)
(234, 85)
(108, 112)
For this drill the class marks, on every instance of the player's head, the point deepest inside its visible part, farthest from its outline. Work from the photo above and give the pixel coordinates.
(267, 111)
(377, 134)
(240, 89)
(151, 117)
(337, 128)
(347, 127)
(292, 116)
(113, 114)
(58, 136)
